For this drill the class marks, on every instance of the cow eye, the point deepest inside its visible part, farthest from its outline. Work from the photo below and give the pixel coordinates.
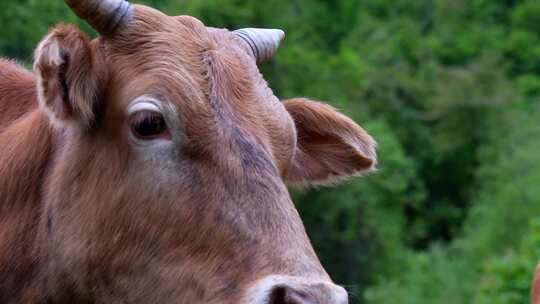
(148, 125)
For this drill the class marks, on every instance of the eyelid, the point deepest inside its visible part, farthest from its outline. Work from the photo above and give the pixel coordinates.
(144, 103)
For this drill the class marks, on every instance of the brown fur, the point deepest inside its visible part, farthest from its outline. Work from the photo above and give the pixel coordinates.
(333, 148)
(87, 217)
(70, 76)
(535, 288)
(17, 92)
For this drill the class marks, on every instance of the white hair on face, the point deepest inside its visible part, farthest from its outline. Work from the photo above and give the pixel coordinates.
(51, 55)
(150, 103)
(54, 58)
(143, 106)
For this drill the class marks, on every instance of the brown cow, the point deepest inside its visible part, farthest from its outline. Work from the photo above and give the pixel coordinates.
(150, 166)
(535, 286)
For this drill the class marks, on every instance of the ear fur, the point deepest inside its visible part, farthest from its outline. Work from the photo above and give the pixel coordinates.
(67, 78)
(330, 145)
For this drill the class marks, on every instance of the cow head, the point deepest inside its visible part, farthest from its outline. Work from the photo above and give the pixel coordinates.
(172, 157)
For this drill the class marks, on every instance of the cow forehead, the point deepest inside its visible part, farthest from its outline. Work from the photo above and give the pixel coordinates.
(158, 38)
(184, 33)
(156, 20)
(160, 54)
(172, 52)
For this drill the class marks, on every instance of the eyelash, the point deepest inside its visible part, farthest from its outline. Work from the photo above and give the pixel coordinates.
(148, 125)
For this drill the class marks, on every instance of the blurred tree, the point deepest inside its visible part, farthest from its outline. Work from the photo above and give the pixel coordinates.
(506, 279)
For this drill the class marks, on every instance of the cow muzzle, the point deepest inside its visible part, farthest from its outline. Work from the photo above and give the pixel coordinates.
(278, 289)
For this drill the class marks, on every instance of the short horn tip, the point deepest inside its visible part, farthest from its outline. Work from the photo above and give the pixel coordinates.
(263, 42)
(280, 34)
(277, 35)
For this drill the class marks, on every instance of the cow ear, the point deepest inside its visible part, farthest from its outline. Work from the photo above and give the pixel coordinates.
(330, 145)
(68, 82)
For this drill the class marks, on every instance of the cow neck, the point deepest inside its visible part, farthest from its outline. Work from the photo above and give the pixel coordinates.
(26, 151)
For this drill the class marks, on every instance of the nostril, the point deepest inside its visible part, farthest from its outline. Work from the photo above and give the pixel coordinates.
(276, 289)
(287, 295)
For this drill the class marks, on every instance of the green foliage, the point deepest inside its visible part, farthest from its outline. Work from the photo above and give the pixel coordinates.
(506, 279)
(448, 88)
(493, 256)
(25, 22)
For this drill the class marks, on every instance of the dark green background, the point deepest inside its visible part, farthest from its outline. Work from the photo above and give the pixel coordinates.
(450, 90)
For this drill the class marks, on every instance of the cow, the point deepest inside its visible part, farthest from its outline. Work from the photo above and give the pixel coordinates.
(535, 286)
(152, 163)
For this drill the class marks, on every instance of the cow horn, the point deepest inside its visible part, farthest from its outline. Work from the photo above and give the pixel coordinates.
(105, 16)
(263, 42)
